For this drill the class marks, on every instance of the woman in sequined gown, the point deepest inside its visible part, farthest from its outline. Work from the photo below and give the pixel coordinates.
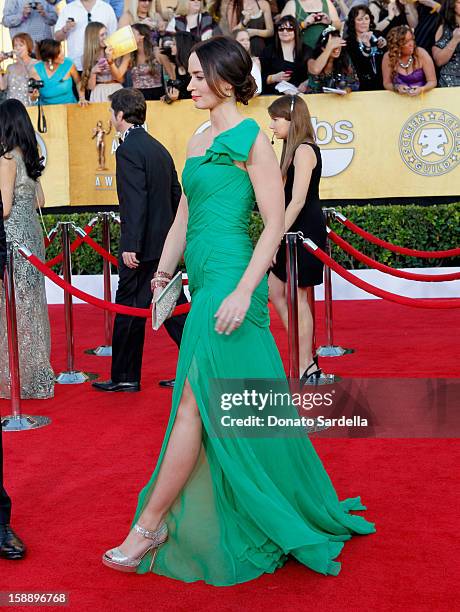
(16, 78)
(21, 193)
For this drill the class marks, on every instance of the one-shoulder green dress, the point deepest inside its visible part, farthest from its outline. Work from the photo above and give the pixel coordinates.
(250, 502)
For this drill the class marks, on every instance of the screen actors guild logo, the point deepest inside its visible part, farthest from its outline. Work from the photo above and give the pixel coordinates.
(429, 142)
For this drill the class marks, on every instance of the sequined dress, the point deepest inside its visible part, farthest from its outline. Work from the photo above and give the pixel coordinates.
(449, 74)
(22, 225)
(18, 75)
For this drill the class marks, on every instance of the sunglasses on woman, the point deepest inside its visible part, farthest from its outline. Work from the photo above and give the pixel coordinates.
(286, 28)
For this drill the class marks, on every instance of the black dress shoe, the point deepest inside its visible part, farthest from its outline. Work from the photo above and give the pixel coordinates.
(109, 385)
(11, 546)
(167, 383)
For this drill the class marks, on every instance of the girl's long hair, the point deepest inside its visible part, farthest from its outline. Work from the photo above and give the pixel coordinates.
(149, 48)
(92, 50)
(214, 8)
(395, 40)
(293, 109)
(16, 130)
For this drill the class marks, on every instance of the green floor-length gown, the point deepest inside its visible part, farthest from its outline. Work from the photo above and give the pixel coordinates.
(250, 502)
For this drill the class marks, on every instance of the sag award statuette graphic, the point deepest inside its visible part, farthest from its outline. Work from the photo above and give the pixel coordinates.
(99, 133)
(429, 142)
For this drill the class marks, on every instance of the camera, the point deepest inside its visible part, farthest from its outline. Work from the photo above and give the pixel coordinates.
(33, 5)
(7, 54)
(318, 16)
(34, 84)
(373, 39)
(171, 84)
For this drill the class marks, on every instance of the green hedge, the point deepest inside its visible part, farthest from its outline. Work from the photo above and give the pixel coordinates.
(421, 227)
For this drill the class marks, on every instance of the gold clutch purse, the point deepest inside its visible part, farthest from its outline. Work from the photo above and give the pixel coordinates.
(166, 301)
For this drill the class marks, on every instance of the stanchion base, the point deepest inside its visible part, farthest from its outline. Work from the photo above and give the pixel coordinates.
(23, 422)
(100, 351)
(75, 378)
(324, 379)
(333, 351)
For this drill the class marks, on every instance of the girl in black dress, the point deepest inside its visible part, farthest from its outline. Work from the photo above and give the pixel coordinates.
(301, 170)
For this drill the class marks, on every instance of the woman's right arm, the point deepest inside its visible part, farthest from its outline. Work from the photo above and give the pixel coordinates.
(7, 180)
(174, 245)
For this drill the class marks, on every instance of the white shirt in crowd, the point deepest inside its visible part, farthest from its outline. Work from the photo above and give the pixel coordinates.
(101, 11)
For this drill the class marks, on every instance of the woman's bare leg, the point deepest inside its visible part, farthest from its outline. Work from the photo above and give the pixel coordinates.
(277, 296)
(305, 331)
(180, 458)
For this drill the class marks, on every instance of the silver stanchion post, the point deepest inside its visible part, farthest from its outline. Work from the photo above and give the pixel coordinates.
(324, 379)
(71, 376)
(293, 305)
(16, 421)
(330, 349)
(105, 350)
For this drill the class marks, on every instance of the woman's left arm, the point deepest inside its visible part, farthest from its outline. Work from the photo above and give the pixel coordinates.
(264, 172)
(304, 164)
(76, 79)
(39, 195)
(427, 65)
(7, 181)
(269, 29)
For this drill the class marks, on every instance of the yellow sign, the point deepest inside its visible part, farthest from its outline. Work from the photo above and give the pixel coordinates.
(122, 42)
(373, 145)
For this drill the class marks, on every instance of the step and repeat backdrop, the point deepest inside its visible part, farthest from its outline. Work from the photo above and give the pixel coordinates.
(374, 145)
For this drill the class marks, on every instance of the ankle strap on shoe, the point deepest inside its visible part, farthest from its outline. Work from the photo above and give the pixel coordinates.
(151, 535)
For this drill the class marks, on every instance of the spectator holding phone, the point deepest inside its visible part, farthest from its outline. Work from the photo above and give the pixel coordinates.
(407, 69)
(32, 17)
(312, 16)
(286, 60)
(72, 23)
(101, 74)
(174, 54)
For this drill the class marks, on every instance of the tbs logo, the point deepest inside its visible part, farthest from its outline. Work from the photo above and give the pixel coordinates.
(334, 160)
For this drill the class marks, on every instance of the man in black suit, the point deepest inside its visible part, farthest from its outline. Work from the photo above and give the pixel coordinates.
(148, 195)
(11, 546)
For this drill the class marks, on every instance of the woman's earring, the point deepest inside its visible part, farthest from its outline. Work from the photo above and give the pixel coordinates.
(273, 138)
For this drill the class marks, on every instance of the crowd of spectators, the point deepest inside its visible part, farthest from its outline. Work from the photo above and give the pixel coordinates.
(308, 46)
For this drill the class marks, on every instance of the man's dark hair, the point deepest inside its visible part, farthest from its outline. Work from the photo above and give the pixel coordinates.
(131, 103)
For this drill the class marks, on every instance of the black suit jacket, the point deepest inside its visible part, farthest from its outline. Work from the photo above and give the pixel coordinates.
(148, 194)
(2, 241)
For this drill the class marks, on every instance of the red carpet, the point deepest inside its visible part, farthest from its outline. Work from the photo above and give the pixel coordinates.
(74, 484)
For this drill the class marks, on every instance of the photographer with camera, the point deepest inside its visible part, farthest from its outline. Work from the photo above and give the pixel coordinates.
(366, 47)
(173, 56)
(53, 75)
(16, 77)
(33, 17)
(330, 66)
(313, 16)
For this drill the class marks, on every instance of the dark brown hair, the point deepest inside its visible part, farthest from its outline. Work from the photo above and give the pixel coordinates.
(48, 49)
(131, 103)
(223, 59)
(26, 39)
(293, 109)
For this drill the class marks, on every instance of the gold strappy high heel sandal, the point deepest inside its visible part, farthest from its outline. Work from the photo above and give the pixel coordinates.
(115, 559)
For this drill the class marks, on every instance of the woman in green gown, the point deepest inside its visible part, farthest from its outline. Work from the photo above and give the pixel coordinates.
(226, 509)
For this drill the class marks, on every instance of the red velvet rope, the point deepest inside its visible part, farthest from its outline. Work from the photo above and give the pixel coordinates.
(102, 252)
(386, 295)
(73, 247)
(433, 278)
(392, 247)
(91, 299)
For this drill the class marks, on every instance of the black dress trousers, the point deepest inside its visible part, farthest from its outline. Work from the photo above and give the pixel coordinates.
(129, 332)
(5, 502)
